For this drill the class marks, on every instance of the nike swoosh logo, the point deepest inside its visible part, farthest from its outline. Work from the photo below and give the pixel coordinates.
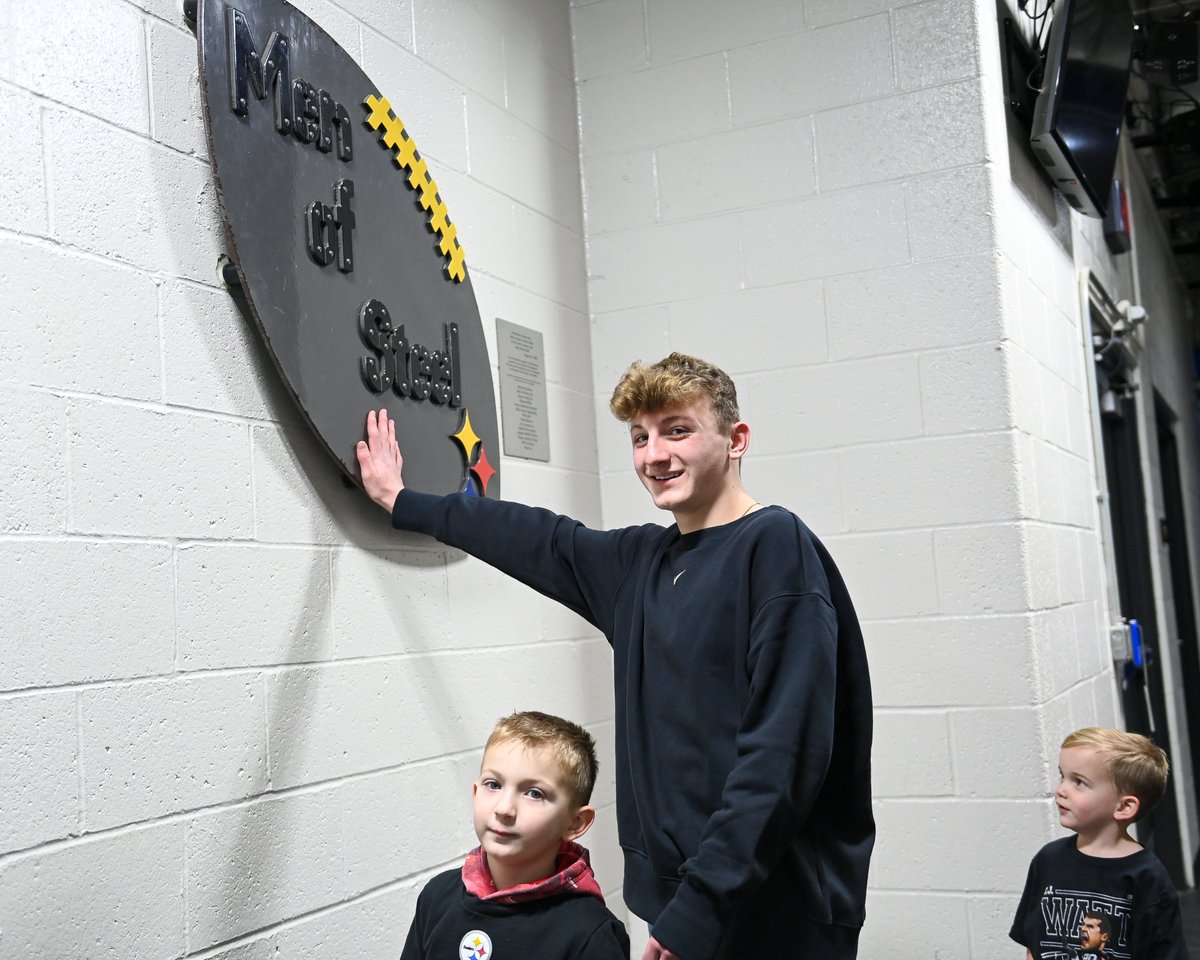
(677, 576)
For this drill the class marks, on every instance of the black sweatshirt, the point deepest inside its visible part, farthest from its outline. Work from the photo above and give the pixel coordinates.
(743, 715)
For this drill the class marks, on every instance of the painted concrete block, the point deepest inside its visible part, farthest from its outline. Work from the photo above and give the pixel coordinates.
(836, 233)
(112, 616)
(936, 42)
(965, 390)
(950, 213)
(946, 303)
(680, 29)
(983, 569)
(150, 749)
(676, 102)
(34, 494)
(338, 23)
(390, 18)
(543, 265)
(196, 484)
(66, 903)
(620, 192)
(980, 661)
(539, 93)
(990, 917)
(96, 77)
(457, 39)
(372, 928)
(514, 158)
(566, 492)
(51, 337)
(916, 925)
(910, 587)
(980, 770)
(486, 607)
(791, 76)
(39, 792)
(965, 479)
(808, 484)
(545, 25)
(820, 12)
(248, 605)
(937, 128)
(608, 37)
(388, 602)
(176, 103)
(618, 339)
(837, 404)
(911, 755)
(331, 721)
(259, 863)
(627, 269)
(159, 209)
(436, 118)
(22, 196)
(1056, 653)
(398, 823)
(740, 168)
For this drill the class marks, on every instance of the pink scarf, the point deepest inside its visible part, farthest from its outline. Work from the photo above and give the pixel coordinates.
(572, 873)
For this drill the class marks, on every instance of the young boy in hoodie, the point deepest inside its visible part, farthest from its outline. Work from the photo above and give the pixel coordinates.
(528, 889)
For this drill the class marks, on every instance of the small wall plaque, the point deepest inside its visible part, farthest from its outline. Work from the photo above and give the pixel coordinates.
(522, 391)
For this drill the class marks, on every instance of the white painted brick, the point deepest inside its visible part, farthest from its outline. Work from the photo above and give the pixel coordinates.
(901, 136)
(1042, 562)
(605, 793)
(920, 844)
(330, 721)
(1055, 407)
(239, 605)
(150, 749)
(22, 194)
(57, 340)
(1091, 638)
(543, 24)
(114, 896)
(755, 329)
(158, 209)
(981, 570)
(965, 390)
(915, 925)
(609, 37)
(176, 102)
(967, 479)
(627, 269)
(396, 824)
(845, 232)
(541, 95)
(680, 29)
(106, 79)
(556, 622)
(112, 615)
(910, 587)
(794, 75)
(935, 43)
(950, 213)
(919, 306)
(196, 484)
(566, 333)
(819, 12)
(213, 358)
(435, 118)
(911, 755)
(650, 107)
(807, 484)
(391, 18)
(340, 25)
(39, 792)
(259, 863)
(620, 192)
(572, 428)
(514, 158)
(373, 928)
(740, 168)
(837, 404)
(568, 492)
(1026, 393)
(981, 661)
(1031, 305)
(549, 259)
(478, 595)
(619, 338)
(1055, 651)
(33, 488)
(1016, 770)
(387, 602)
(990, 917)
(454, 37)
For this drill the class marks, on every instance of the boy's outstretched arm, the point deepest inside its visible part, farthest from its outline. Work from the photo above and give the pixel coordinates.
(379, 460)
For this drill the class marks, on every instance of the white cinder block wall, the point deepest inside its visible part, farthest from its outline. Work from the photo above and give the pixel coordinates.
(819, 195)
(238, 716)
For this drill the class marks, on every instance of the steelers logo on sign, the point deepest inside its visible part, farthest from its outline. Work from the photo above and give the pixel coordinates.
(475, 945)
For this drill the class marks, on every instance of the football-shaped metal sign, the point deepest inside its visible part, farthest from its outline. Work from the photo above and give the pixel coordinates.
(348, 258)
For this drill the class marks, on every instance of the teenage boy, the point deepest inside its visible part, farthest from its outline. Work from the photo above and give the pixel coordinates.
(1099, 893)
(528, 889)
(743, 703)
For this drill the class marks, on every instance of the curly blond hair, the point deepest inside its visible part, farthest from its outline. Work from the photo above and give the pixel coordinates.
(675, 380)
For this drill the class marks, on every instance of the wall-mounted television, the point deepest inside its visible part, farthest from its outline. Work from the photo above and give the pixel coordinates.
(1077, 120)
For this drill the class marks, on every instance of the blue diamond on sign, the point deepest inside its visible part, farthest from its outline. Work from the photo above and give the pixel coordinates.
(350, 263)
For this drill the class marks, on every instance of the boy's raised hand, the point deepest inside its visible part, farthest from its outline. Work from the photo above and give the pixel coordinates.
(379, 460)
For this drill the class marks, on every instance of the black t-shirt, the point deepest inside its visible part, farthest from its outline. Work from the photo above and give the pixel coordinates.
(1133, 897)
